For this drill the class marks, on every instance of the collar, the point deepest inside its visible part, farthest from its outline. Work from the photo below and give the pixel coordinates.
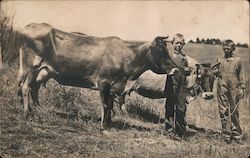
(181, 53)
(229, 58)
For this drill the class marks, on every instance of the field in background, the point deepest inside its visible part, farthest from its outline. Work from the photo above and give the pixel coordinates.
(210, 53)
(68, 122)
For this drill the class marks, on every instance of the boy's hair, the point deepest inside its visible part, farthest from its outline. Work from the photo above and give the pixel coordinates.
(178, 35)
(229, 43)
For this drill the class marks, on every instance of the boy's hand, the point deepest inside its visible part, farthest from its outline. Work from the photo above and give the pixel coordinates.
(173, 72)
(241, 93)
(187, 71)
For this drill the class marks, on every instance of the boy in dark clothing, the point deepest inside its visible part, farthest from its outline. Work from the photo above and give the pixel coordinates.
(176, 90)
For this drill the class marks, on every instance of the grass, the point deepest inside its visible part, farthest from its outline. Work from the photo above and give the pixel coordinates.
(68, 123)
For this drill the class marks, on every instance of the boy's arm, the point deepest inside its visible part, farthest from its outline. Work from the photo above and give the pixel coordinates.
(241, 75)
(216, 67)
(188, 69)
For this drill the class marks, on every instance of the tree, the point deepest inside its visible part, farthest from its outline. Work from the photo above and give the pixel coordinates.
(208, 41)
(198, 40)
(244, 45)
(190, 41)
(202, 41)
(217, 41)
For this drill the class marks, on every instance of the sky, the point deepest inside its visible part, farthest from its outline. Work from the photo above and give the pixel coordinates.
(139, 20)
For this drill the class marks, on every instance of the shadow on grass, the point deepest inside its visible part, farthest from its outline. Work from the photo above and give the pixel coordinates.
(208, 133)
(202, 130)
(144, 113)
(122, 125)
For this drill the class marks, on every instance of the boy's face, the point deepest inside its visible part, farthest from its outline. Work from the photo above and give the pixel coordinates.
(227, 50)
(178, 44)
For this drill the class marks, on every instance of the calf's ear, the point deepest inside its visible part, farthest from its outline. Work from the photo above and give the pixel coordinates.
(197, 65)
(206, 64)
(216, 65)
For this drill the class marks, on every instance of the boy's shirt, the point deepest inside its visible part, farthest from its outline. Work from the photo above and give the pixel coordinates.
(232, 73)
(181, 60)
(179, 80)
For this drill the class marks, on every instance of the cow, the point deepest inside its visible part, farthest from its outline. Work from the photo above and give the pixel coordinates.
(206, 79)
(103, 64)
(152, 85)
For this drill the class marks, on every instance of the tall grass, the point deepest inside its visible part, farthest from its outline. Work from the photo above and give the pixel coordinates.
(9, 37)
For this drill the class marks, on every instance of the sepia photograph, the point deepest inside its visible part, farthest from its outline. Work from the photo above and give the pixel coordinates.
(124, 79)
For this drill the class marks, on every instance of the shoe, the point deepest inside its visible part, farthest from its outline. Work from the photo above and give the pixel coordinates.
(228, 140)
(178, 138)
(238, 139)
(171, 135)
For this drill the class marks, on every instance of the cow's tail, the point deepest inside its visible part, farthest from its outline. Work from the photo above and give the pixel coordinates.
(21, 72)
(21, 75)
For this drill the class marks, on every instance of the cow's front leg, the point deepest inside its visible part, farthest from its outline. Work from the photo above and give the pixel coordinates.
(107, 102)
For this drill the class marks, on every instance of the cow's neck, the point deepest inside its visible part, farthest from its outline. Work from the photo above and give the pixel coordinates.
(139, 63)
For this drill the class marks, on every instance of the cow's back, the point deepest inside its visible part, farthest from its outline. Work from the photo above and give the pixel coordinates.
(82, 56)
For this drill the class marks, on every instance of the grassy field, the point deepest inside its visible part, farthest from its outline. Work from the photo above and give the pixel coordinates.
(68, 123)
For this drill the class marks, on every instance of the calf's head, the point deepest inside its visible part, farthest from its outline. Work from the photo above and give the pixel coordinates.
(205, 80)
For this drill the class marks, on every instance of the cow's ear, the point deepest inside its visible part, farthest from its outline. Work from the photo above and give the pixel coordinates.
(206, 64)
(216, 65)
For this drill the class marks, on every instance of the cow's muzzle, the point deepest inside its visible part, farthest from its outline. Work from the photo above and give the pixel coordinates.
(208, 95)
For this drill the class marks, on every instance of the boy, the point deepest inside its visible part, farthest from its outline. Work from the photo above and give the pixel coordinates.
(176, 90)
(230, 90)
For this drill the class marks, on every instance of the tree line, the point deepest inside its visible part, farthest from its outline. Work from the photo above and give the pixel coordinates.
(215, 41)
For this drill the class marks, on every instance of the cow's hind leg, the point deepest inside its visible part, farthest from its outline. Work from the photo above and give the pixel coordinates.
(34, 94)
(42, 76)
(107, 102)
(24, 93)
(20, 95)
(30, 86)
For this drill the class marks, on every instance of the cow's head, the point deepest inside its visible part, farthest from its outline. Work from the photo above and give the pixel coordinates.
(205, 79)
(159, 59)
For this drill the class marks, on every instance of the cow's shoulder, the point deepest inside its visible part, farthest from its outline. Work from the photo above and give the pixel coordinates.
(37, 30)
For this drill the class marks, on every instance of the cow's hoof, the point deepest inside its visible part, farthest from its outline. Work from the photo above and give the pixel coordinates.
(25, 115)
(106, 133)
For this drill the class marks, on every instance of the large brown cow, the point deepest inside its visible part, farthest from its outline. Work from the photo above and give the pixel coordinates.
(103, 64)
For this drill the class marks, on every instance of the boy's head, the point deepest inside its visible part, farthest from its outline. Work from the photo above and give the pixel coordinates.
(178, 42)
(228, 47)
